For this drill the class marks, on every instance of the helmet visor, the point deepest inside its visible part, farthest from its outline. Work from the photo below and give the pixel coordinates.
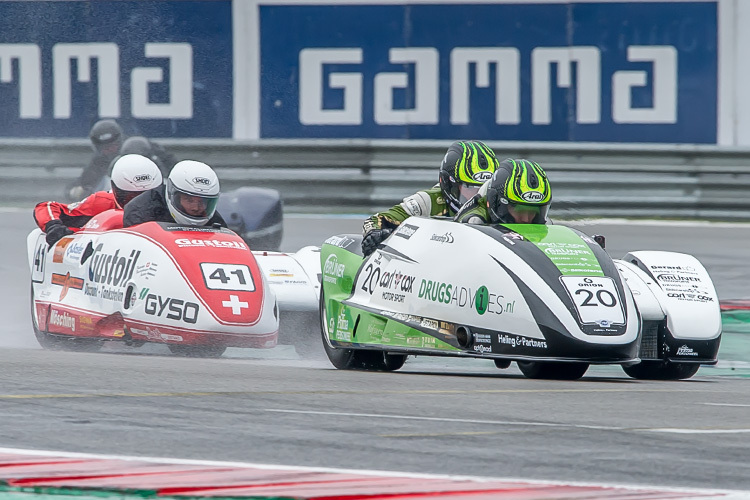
(123, 197)
(192, 205)
(467, 192)
(528, 214)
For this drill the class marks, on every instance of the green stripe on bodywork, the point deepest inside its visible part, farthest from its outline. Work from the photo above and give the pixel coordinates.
(375, 329)
(563, 247)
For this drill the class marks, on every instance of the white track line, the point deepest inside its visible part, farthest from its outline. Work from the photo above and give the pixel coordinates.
(520, 423)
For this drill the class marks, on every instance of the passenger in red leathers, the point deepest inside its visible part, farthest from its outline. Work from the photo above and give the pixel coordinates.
(131, 175)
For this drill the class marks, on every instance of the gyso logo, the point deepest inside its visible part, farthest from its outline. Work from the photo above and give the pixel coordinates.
(176, 309)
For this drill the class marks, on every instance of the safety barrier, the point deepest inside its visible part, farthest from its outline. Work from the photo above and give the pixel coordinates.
(361, 176)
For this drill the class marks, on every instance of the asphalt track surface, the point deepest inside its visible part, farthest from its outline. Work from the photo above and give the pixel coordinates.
(434, 416)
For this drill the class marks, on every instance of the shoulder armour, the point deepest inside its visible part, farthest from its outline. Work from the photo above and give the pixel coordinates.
(418, 204)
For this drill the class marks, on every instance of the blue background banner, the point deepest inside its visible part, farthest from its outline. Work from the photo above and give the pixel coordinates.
(650, 72)
(202, 28)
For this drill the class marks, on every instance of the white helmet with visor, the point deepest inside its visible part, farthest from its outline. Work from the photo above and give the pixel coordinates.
(192, 193)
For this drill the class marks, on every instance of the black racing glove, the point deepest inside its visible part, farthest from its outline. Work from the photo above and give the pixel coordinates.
(372, 239)
(55, 230)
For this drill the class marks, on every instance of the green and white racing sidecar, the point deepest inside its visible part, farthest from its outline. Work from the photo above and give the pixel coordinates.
(547, 297)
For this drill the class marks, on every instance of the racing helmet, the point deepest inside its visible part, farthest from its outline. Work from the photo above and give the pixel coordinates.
(192, 193)
(137, 145)
(465, 167)
(106, 136)
(519, 189)
(131, 175)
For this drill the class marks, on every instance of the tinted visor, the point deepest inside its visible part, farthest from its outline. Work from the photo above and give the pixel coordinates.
(123, 197)
(528, 214)
(466, 192)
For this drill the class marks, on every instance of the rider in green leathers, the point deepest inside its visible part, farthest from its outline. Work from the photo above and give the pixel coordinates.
(518, 193)
(466, 165)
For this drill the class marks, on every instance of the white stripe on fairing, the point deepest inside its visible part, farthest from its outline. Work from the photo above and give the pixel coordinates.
(694, 492)
(726, 404)
(520, 423)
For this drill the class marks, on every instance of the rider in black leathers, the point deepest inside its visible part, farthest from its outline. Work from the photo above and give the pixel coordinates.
(106, 138)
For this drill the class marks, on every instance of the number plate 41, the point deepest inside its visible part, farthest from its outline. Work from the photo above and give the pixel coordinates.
(235, 277)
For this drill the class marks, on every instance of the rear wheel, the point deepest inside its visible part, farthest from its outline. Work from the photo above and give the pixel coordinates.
(356, 359)
(197, 351)
(54, 342)
(552, 370)
(661, 370)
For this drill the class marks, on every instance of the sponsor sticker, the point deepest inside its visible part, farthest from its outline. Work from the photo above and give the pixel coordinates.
(171, 308)
(66, 281)
(481, 299)
(187, 242)
(113, 269)
(332, 269)
(147, 270)
(406, 231)
(340, 241)
(63, 320)
(442, 238)
(59, 252)
(684, 350)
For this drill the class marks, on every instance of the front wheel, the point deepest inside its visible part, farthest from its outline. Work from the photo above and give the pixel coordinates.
(552, 370)
(356, 359)
(661, 370)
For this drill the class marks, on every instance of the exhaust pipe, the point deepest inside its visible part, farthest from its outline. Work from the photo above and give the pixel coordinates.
(464, 337)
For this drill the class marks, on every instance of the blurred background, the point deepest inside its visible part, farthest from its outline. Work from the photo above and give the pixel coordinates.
(636, 109)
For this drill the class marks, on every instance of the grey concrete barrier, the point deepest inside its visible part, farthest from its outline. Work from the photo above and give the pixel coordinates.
(362, 176)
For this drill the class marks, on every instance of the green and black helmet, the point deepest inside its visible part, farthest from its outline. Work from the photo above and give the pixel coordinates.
(466, 166)
(519, 192)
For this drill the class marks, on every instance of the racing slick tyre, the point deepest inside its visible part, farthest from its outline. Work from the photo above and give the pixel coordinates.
(502, 363)
(552, 370)
(53, 342)
(356, 359)
(197, 351)
(661, 370)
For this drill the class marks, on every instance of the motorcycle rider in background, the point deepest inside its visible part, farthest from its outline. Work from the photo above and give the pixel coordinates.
(131, 175)
(140, 145)
(465, 166)
(106, 138)
(518, 193)
(188, 198)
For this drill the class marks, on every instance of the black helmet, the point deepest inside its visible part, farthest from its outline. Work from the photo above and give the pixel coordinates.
(466, 166)
(518, 186)
(105, 133)
(137, 145)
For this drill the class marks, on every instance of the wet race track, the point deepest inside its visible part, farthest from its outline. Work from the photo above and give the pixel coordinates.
(435, 415)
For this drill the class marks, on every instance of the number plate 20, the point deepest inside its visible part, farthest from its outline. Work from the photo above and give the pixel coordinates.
(596, 299)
